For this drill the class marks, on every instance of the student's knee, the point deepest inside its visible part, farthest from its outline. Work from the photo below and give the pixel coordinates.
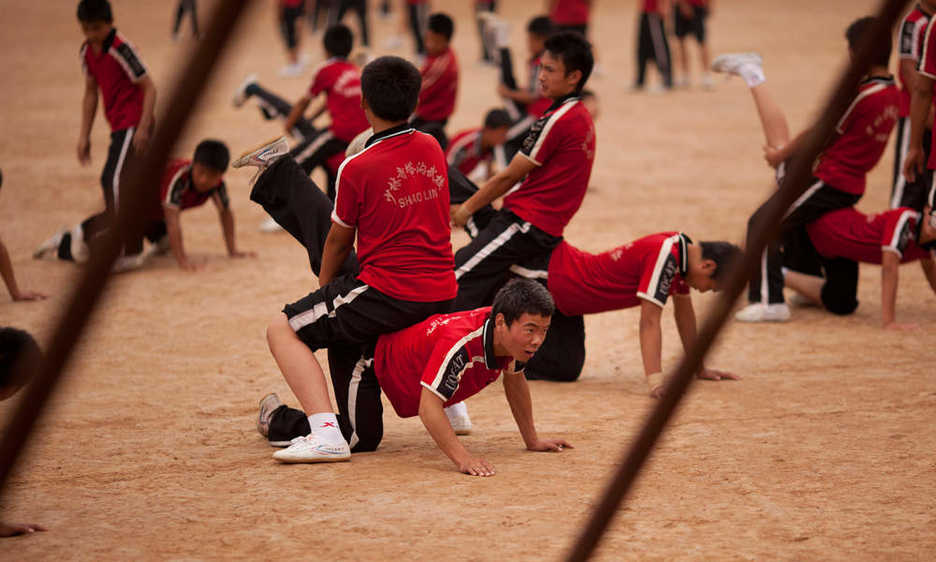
(838, 302)
(279, 331)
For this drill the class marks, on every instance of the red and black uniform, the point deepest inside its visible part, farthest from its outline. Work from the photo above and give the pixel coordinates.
(571, 15)
(437, 95)
(394, 193)
(178, 190)
(451, 355)
(839, 182)
(653, 44)
(927, 67)
(845, 237)
(418, 19)
(534, 215)
(117, 69)
(910, 48)
(523, 115)
(693, 23)
(289, 13)
(465, 151)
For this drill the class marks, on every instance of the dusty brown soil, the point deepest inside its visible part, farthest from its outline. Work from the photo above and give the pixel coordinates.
(824, 450)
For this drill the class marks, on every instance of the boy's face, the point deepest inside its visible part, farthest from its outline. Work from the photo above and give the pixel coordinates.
(553, 79)
(204, 177)
(700, 274)
(96, 31)
(522, 338)
(494, 136)
(436, 43)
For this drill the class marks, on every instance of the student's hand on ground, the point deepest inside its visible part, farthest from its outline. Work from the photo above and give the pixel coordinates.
(773, 156)
(476, 467)
(238, 254)
(550, 445)
(713, 375)
(901, 327)
(913, 163)
(14, 529)
(141, 140)
(28, 295)
(84, 151)
(191, 266)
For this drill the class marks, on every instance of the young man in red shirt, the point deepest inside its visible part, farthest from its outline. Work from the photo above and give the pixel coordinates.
(553, 169)
(393, 198)
(112, 65)
(443, 360)
(921, 108)
(439, 80)
(471, 148)
(910, 43)
(840, 174)
(186, 184)
(340, 82)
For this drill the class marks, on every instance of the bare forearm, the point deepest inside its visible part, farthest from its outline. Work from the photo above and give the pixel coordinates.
(521, 406)
(149, 104)
(491, 190)
(6, 271)
(88, 111)
(333, 256)
(890, 268)
(685, 318)
(920, 103)
(929, 270)
(175, 237)
(438, 426)
(651, 346)
(227, 228)
(296, 114)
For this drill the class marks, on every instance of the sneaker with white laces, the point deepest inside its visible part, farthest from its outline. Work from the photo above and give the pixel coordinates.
(731, 63)
(757, 312)
(310, 449)
(263, 156)
(268, 403)
(241, 95)
(50, 248)
(457, 415)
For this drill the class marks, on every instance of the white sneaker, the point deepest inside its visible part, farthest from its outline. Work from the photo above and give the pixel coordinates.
(707, 82)
(263, 155)
(268, 403)
(457, 415)
(757, 312)
(49, 248)
(732, 63)
(241, 95)
(310, 449)
(270, 225)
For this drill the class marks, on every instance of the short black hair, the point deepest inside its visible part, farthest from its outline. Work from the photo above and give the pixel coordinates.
(725, 255)
(575, 52)
(442, 24)
(213, 153)
(15, 344)
(860, 28)
(497, 118)
(541, 26)
(522, 296)
(338, 40)
(390, 86)
(95, 10)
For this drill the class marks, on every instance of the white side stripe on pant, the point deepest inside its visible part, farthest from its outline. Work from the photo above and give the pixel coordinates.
(802, 198)
(302, 320)
(314, 146)
(904, 144)
(115, 181)
(352, 397)
(491, 247)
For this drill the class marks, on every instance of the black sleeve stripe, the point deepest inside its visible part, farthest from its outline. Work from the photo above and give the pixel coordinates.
(446, 384)
(905, 46)
(130, 61)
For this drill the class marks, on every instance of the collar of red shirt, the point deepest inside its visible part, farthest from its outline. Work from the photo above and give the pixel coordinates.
(387, 133)
(559, 101)
(487, 336)
(109, 40)
(684, 242)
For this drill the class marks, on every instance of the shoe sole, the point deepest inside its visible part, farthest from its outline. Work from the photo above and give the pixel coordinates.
(244, 158)
(462, 432)
(313, 460)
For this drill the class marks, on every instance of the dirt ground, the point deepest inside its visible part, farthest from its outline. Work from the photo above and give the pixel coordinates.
(825, 449)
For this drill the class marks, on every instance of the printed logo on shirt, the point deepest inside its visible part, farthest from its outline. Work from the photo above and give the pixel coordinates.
(436, 323)
(348, 85)
(880, 129)
(453, 371)
(666, 279)
(409, 170)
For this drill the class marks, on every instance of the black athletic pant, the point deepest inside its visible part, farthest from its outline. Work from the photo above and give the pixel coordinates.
(288, 18)
(418, 16)
(189, 7)
(767, 282)
(274, 107)
(522, 121)
(492, 7)
(910, 194)
(653, 44)
(360, 8)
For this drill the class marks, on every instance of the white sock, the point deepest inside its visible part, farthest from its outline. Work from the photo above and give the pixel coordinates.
(752, 74)
(456, 410)
(325, 427)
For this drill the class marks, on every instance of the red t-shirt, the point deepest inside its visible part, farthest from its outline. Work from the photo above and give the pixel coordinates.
(117, 70)
(542, 104)
(848, 233)
(450, 354)
(465, 151)
(341, 82)
(439, 87)
(910, 46)
(651, 6)
(570, 12)
(927, 67)
(562, 145)
(649, 268)
(395, 193)
(862, 135)
(178, 190)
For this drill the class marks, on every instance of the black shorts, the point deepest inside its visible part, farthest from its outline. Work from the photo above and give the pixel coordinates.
(910, 194)
(694, 25)
(347, 311)
(288, 17)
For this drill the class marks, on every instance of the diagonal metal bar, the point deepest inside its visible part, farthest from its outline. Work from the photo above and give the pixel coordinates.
(141, 179)
(768, 230)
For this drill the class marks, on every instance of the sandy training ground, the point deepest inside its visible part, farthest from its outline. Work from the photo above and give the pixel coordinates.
(824, 450)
